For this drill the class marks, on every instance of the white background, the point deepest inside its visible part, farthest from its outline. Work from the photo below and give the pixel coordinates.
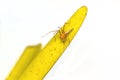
(94, 53)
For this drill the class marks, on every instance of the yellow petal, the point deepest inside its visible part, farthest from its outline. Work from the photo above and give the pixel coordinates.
(27, 56)
(47, 57)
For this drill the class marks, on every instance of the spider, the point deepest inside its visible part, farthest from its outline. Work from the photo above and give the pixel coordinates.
(63, 34)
